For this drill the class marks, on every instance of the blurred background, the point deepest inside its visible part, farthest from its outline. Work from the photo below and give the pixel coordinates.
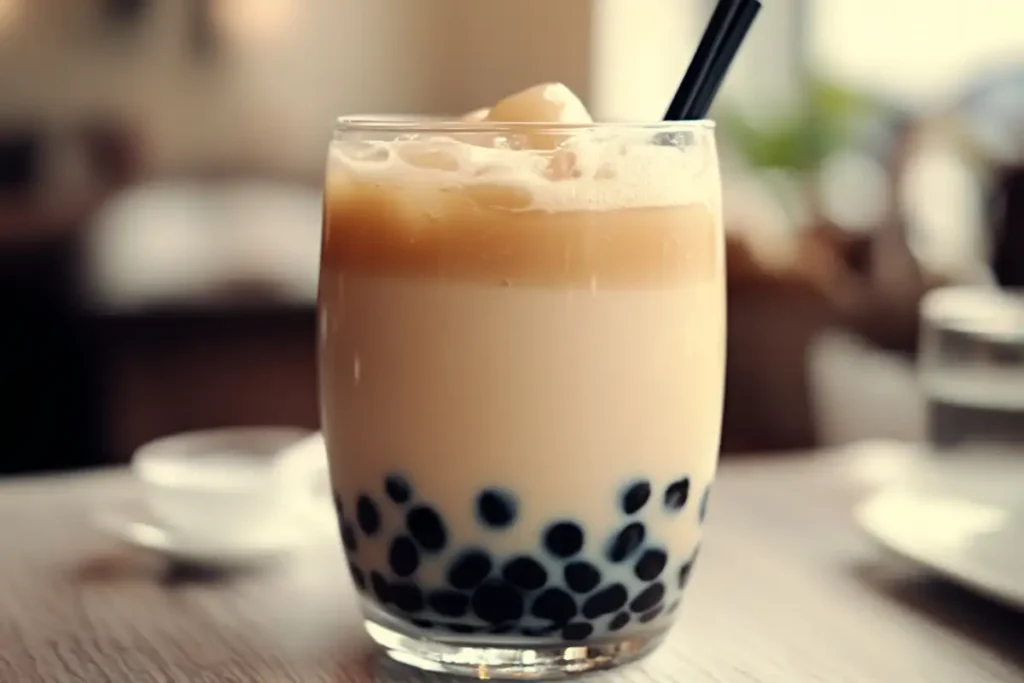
(161, 161)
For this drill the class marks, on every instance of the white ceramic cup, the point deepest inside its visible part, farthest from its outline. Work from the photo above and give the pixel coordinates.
(235, 484)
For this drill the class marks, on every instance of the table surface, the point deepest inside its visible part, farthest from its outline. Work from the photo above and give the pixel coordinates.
(787, 590)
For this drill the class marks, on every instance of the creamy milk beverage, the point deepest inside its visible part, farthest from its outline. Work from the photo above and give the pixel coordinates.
(521, 372)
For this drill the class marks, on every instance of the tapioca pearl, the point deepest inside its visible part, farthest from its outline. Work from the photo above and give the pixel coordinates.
(367, 515)
(605, 601)
(381, 587)
(635, 497)
(348, 537)
(581, 576)
(501, 629)
(677, 494)
(448, 603)
(358, 577)
(496, 508)
(403, 558)
(397, 488)
(469, 569)
(580, 630)
(464, 629)
(684, 574)
(525, 572)
(407, 596)
(650, 615)
(422, 623)
(626, 542)
(496, 602)
(650, 565)
(563, 539)
(555, 605)
(619, 621)
(427, 528)
(649, 598)
(673, 607)
(704, 503)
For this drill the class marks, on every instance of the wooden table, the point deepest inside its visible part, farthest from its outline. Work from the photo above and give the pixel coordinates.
(787, 591)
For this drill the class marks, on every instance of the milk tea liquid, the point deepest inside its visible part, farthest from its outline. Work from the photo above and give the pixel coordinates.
(522, 362)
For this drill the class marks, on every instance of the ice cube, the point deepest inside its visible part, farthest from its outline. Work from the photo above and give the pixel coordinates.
(544, 103)
(563, 165)
(439, 154)
(576, 159)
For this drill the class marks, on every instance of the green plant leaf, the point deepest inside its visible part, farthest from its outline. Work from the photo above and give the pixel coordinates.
(803, 140)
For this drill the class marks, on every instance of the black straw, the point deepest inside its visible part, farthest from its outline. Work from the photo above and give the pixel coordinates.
(726, 30)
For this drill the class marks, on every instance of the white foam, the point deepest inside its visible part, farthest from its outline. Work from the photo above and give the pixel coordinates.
(589, 171)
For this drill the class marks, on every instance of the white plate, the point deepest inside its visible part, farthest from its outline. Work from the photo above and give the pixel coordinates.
(962, 518)
(132, 525)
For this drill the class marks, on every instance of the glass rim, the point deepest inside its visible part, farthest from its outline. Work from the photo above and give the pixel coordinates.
(345, 124)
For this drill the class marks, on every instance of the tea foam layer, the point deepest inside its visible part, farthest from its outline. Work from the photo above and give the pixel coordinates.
(596, 168)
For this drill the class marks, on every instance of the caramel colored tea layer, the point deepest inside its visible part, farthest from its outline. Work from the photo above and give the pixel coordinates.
(484, 233)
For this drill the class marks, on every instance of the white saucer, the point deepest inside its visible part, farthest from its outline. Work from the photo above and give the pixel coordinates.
(961, 518)
(134, 526)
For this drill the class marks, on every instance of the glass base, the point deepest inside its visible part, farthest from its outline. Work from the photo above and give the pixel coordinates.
(510, 658)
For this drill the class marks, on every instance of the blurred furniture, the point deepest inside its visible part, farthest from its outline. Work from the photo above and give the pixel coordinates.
(786, 589)
(51, 182)
(19, 161)
(48, 380)
(774, 315)
(990, 119)
(954, 213)
(860, 391)
(203, 293)
(1008, 251)
(181, 368)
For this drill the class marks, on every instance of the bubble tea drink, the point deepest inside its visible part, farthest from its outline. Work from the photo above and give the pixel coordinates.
(521, 373)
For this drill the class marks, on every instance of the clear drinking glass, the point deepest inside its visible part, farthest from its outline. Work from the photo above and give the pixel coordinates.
(522, 352)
